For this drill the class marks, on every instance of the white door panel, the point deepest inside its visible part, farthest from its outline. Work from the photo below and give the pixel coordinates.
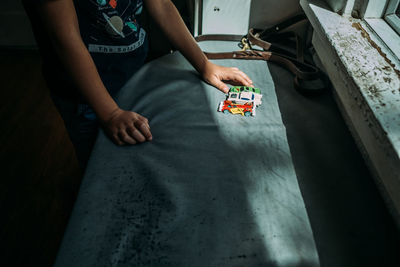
(225, 16)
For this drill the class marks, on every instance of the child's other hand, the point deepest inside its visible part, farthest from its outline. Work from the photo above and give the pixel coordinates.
(215, 74)
(127, 127)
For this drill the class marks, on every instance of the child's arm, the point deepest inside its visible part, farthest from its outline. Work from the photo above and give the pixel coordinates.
(168, 18)
(59, 17)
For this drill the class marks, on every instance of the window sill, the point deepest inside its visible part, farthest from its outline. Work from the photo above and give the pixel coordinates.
(367, 88)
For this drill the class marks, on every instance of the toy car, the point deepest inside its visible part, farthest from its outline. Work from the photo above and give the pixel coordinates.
(245, 109)
(239, 89)
(243, 94)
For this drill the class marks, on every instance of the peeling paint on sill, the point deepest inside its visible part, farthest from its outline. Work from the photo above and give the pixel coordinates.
(373, 71)
(367, 86)
(369, 66)
(368, 76)
(366, 35)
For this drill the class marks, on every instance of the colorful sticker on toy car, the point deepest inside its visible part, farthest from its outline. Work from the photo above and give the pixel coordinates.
(241, 100)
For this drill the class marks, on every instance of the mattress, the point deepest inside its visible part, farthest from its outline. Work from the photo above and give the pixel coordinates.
(211, 189)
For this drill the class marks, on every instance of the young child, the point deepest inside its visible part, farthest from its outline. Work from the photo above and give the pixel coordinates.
(91, 47)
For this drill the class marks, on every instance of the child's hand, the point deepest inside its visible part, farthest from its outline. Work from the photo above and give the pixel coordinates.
(215, 74)
(127, 127)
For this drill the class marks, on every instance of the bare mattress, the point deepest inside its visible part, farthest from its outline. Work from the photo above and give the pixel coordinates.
(211, 189)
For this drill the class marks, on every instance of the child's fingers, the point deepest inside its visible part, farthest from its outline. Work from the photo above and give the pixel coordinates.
(237, 77)
(221, 86)
(128, 128)
(244, 76)
(144, 119)
(116, 139)
(125, 138)
(136, 134)
(144, 128)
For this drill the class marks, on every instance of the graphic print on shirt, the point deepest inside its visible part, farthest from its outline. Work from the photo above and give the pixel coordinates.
(102, 2)
(112, 25)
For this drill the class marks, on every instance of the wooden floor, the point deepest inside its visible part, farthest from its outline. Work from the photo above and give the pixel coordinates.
(39, 172)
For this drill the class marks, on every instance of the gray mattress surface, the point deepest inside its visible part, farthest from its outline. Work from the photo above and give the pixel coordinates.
(211, 189)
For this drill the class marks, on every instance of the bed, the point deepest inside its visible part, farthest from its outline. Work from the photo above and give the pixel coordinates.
(211, 189)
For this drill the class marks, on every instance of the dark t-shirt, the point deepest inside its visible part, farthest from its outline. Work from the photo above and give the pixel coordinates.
(112, 33)
(110, 26)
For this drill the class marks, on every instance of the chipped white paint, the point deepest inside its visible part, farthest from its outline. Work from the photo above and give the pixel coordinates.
(368, 90)
(376, 78)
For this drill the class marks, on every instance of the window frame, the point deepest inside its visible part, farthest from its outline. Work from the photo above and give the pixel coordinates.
(391, 17)
(374, 13)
